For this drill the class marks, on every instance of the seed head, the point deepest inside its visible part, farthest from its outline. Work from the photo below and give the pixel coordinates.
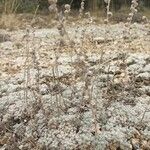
(106, 1)
(52, 2)
(110, 14)
(53, 8)
(106, 21)
(67, 7)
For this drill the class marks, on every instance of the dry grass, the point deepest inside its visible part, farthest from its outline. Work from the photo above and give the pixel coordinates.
(9, 21)
(9, 6)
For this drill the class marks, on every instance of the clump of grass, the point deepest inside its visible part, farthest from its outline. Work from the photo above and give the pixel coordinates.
(8, 18)
(10, 6)
(9, 21)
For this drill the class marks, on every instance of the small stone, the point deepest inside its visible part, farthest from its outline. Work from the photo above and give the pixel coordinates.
(144, 76)
(44, 89)
(146, 68)
(99, 40)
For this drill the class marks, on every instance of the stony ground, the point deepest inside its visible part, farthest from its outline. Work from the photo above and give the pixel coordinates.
(92, 93)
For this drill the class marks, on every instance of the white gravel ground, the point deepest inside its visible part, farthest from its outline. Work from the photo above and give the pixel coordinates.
(95, 100)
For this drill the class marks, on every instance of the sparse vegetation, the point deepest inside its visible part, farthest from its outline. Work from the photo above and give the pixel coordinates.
(74, 82)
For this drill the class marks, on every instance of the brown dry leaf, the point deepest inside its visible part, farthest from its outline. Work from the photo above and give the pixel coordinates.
(11, 70)
(137, 134)
(135, 142)
(145, 145)
(96, 129)
(113, 146)
(5, 139)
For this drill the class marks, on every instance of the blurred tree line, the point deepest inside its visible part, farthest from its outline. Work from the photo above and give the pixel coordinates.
(116, 4)
(92, 5)
(95, 4)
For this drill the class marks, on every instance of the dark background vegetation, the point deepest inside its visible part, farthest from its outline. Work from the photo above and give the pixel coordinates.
(92, 5)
